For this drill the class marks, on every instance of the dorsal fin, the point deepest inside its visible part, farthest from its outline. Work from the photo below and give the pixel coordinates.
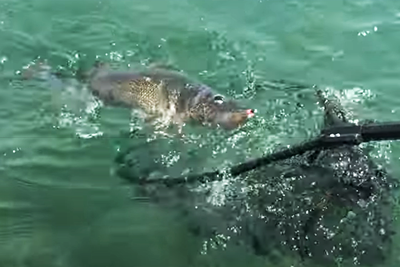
(163, 66)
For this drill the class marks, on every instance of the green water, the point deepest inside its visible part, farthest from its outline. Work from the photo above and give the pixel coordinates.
(61, 203)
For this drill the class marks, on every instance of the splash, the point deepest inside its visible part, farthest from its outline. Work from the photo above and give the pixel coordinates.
(83, 120)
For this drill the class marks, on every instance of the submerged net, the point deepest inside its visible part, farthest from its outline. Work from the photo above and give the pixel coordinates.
(325, 206)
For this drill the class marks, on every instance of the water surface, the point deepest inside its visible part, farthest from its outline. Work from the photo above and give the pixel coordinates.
(61, 202)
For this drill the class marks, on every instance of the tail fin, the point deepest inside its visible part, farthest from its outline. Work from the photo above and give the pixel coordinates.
(42, 71)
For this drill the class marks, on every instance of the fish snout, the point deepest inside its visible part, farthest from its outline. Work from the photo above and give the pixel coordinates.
(236, 119)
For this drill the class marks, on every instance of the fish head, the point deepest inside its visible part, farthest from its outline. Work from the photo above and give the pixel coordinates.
(227, 114)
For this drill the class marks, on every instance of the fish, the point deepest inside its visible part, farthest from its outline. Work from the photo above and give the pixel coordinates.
(326, 206)
(162, 92)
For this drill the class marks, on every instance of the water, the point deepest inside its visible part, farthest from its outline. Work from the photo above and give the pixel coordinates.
(61, 203)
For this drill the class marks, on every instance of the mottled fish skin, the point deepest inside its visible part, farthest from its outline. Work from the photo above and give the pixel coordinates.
(166, 93)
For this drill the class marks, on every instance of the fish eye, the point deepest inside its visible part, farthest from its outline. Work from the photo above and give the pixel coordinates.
(219, 99)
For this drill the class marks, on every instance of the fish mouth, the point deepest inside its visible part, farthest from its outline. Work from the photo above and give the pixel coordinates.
(251, 113)
(235, 119)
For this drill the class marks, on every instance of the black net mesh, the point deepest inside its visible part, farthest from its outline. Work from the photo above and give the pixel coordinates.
(325, 207)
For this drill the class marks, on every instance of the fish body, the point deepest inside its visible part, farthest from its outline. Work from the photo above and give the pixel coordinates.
(167, 93)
